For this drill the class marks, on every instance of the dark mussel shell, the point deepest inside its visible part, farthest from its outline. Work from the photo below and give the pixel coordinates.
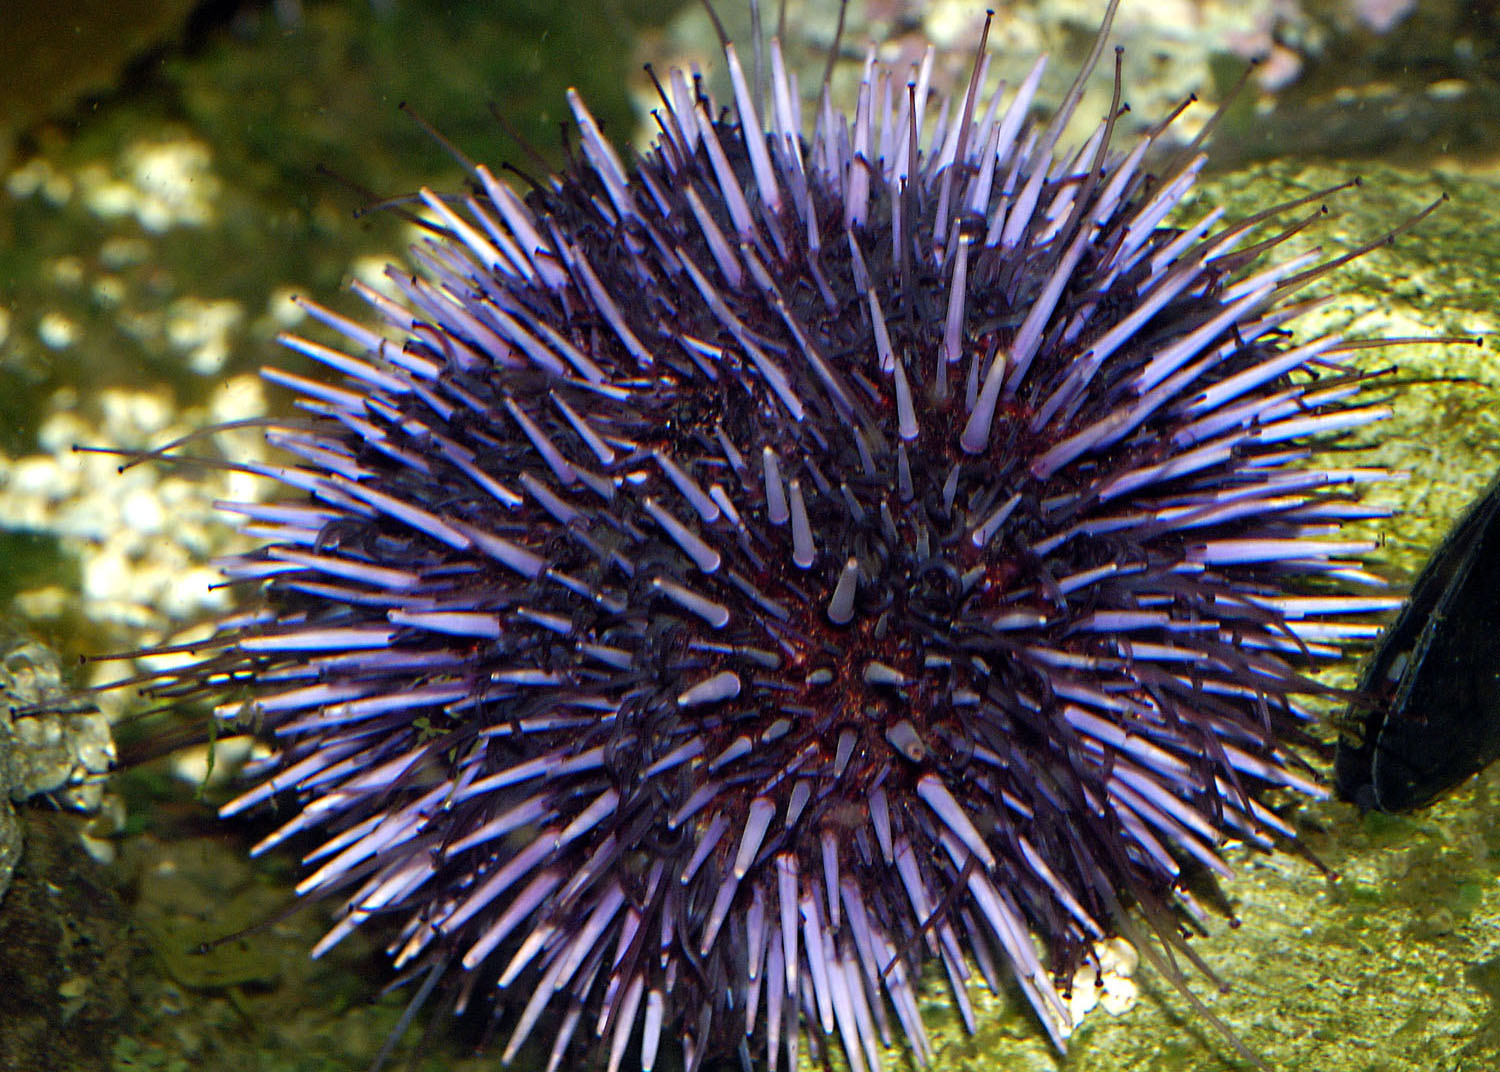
(1427, 713)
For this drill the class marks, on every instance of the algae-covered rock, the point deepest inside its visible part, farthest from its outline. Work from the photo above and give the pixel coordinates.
(66, 951)
(50, 742)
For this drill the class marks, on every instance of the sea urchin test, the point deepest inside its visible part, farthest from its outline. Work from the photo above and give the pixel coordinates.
(715, 588)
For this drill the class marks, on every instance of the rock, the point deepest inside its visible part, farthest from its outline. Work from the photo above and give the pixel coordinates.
(65, 956)
(50, 742)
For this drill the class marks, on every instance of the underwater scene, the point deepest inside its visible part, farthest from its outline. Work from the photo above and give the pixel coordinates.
(765, 579)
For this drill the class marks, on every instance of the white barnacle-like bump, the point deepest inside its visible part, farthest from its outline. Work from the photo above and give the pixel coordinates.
(1106, 979)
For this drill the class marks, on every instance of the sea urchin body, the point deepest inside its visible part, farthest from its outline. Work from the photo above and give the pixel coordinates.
(726, 583)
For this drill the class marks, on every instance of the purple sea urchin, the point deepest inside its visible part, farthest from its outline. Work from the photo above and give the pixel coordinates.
(756, 572)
